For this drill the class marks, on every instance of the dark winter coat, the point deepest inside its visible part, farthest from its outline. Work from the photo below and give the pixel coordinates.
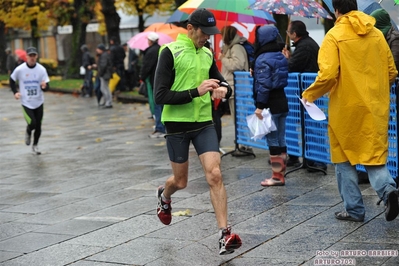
(270, 72)
(304, 58)
(105, 66)
(117, 56)
(150, 61)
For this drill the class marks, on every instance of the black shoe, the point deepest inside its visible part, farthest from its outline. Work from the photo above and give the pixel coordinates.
(392, 205)
(293, 161)
(27, 138)
(242, 152)
(316, 166)
(247, 149)
(346, 217)
(362, 178)
(107, 106)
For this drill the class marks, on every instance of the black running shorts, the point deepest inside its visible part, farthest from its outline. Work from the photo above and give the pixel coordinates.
(203, 139)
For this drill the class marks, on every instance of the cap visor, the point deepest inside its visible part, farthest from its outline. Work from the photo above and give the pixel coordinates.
(210, 30)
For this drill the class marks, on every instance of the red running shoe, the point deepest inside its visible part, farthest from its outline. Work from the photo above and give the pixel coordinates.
(164, 208)
(228, 242)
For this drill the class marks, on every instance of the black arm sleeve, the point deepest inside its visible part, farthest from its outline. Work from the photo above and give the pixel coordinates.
(164, 78)
(13, 86)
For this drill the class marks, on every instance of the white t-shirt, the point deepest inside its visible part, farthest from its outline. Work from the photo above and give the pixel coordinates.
(29, 80)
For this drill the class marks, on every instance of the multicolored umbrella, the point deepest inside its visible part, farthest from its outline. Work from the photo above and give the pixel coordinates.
(368, 6)
(228, 10)
(177, 16)
(329, 5)
(300, 8)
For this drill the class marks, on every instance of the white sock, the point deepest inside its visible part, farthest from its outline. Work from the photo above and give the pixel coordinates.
(164, 199)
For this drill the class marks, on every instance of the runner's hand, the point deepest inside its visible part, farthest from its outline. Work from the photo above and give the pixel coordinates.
(219, 93)
(17, 96)
(207, 85)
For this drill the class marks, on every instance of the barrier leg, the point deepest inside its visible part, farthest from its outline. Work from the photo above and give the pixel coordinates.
(304, 164)
(236, 146)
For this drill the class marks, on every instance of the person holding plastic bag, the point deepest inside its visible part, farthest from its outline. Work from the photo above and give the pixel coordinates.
(270, 72)
(261, 127)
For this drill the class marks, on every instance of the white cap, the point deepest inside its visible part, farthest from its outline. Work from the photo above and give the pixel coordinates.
(152, 36)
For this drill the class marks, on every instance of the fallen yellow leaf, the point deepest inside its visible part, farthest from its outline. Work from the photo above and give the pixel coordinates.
(182, 213)
(162, 143)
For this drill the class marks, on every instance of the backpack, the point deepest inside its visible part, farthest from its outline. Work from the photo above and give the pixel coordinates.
(249, 48)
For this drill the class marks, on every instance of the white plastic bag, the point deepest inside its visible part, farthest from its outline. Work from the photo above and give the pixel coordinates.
(260, 128)
(268, 120)
(82, 70)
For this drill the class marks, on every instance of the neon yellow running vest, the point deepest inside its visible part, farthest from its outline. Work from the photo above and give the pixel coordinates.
(191, 68)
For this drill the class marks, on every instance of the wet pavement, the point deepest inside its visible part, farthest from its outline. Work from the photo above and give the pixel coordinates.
(89, 199)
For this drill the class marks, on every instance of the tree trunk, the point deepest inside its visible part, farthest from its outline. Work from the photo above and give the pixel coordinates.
(141, 19)
(112, 19)
(34, 31)
(3, 56)
(35, 35)
(78, 39)
(179, 2)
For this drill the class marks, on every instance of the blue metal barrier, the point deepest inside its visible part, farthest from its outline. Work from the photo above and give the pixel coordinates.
(317, 143)
(316, 139)
(293, 127)
(244, 107)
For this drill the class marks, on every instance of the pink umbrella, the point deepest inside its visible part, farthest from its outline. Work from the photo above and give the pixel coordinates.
(140, 41)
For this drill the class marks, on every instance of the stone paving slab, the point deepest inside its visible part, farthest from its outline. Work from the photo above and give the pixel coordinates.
(89, 199)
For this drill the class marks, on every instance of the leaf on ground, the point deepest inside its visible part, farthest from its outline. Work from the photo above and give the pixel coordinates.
(187, 212)
(99, 139)
(162, 143)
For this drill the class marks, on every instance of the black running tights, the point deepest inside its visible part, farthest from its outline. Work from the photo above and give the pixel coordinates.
(34, 119)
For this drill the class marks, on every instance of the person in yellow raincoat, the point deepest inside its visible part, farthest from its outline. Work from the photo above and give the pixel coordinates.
(357, 69)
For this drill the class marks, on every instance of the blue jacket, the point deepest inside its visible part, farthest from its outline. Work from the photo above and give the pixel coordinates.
(270, 69)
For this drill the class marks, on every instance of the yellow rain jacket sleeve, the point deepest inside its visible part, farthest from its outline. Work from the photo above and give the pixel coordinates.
(357, 70)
